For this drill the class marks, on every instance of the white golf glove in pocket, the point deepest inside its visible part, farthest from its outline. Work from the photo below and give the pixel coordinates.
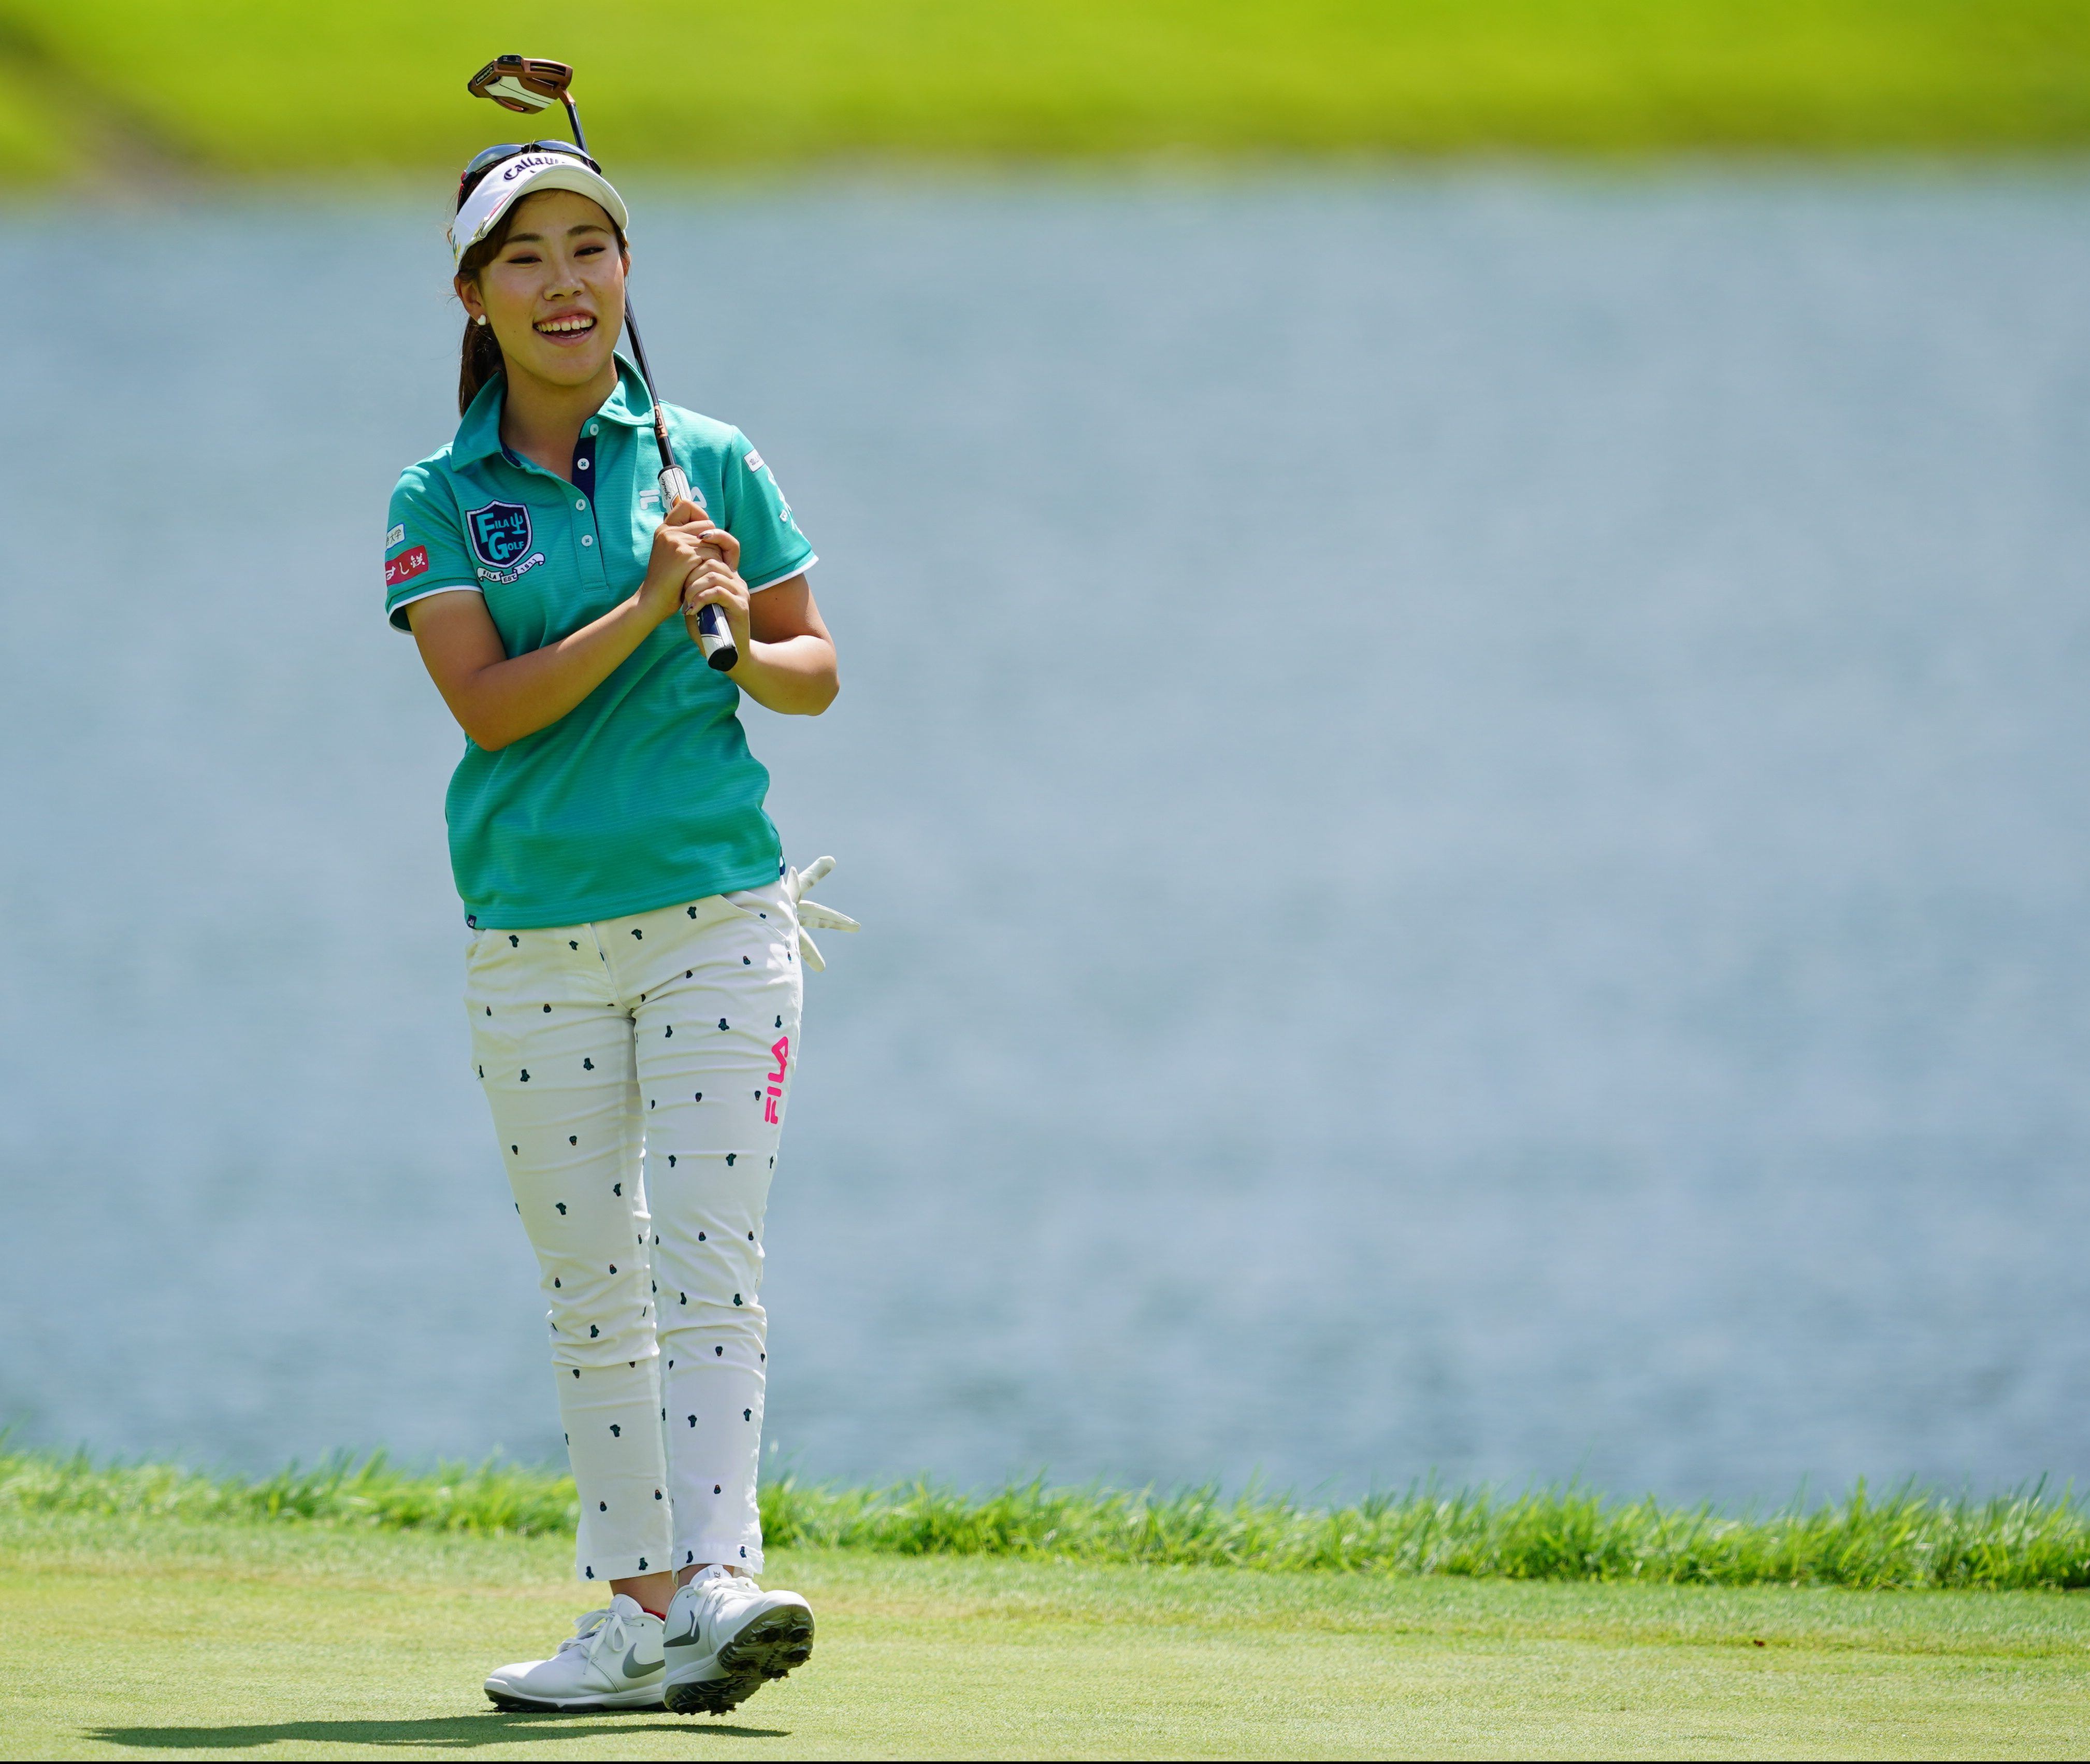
(796, 882)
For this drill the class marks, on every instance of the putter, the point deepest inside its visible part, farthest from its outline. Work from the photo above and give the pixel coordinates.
(529, 84)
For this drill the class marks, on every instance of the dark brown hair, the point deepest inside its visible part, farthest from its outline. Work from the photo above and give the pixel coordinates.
(480, 359)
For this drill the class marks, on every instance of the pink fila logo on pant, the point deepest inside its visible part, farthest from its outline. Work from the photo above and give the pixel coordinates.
(780, 1051)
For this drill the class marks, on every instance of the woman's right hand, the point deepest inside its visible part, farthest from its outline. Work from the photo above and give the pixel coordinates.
(678, 548)
(497, 698)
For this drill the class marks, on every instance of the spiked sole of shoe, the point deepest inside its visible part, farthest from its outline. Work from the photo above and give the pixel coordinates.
(769, 1647)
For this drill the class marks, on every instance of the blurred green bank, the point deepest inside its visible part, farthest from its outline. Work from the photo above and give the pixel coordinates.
(171, 89)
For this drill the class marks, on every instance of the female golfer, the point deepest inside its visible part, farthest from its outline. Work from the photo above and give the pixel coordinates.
(633, 973)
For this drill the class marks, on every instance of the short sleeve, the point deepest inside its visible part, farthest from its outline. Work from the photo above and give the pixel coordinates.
(772, 547)
(423, 545)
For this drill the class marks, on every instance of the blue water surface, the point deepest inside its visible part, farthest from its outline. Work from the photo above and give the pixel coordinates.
(1467, 793)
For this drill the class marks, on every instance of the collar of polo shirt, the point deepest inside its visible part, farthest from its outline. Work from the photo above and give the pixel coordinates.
(479, 434)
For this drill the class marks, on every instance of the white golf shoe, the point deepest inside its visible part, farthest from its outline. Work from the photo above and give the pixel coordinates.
(725, 1636)
(612, 1660)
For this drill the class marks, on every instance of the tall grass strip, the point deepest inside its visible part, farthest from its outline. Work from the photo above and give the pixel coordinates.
(1912, 1538)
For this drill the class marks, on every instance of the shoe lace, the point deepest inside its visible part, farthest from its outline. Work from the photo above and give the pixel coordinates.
(709, 1594)
(592, 1624)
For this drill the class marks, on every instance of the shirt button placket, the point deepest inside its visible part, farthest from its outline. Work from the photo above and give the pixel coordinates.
(583, 506)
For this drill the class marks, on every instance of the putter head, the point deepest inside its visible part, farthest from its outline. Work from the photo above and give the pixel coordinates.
(524, 83)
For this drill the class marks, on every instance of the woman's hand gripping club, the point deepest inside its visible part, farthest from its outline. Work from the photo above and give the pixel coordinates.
(722, 638)
(786, 665)
(686, 546)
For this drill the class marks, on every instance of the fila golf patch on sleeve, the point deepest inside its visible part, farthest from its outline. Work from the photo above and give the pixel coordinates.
(499, 534)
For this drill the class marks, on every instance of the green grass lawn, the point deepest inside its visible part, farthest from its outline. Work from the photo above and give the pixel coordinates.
(258, 86)
(134, 1637)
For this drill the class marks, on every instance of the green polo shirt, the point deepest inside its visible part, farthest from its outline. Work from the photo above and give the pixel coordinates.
(644, 794)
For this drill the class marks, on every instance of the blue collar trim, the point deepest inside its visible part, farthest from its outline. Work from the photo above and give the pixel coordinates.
(479, 430)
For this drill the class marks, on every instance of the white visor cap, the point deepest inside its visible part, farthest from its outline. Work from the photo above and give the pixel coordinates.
(501, 188)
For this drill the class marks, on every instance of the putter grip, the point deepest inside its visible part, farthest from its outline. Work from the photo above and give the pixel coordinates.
(714, 635)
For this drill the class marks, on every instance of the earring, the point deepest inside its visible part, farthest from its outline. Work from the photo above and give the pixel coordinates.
(482, 318)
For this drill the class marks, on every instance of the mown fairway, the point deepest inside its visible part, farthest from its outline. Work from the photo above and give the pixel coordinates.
(240, 86)
(231, 1640)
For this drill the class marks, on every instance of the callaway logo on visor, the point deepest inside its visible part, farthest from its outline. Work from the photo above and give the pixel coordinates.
(484, 195)
(530, 162)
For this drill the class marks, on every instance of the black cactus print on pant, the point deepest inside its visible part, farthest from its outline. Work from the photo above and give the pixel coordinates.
(698, 1215)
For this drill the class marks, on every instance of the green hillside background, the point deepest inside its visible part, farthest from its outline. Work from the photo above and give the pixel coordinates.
(93, 89)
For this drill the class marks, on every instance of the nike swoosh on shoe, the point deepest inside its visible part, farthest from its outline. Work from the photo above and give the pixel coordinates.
(633, 1669)
(769, 1646)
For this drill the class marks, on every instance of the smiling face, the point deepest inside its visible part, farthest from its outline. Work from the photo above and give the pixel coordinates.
(553, 292)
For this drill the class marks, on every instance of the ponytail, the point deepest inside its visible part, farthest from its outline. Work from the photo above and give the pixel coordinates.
(479, 361)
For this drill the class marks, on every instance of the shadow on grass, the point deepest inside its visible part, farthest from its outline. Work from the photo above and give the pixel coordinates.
(438, 1733)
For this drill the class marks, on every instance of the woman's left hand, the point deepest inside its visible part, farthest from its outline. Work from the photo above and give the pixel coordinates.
(716, 582)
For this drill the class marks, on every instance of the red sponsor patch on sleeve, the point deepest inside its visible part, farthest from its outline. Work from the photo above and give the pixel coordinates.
(406, 566)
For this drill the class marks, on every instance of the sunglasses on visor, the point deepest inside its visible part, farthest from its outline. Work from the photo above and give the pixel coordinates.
(487, 157)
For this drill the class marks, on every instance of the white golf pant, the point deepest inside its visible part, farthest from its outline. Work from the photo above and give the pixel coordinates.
(639, 1060)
